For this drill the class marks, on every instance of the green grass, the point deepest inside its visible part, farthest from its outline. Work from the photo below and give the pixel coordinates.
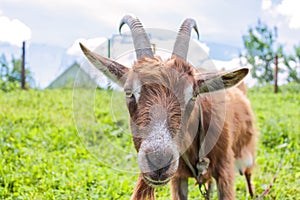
(50, 151)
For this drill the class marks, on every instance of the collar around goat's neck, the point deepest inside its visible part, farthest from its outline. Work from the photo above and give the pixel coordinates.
(203, 162)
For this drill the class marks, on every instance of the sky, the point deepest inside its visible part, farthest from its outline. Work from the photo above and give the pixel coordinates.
(63, 23)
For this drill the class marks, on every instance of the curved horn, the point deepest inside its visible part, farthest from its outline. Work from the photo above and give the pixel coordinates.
(183, 38)
(140, 39)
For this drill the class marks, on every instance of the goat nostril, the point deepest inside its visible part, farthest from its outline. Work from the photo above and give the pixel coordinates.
(160, 173)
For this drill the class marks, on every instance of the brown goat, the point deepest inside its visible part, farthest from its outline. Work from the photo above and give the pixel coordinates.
(178, 110)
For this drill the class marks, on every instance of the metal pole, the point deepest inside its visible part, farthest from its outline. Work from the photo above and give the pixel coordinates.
(23, 66)
(108, 48)
(276, 74)
(153, 48)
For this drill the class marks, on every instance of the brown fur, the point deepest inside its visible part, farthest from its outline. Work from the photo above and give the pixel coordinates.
(143, 190)
(237, 134)
(165, 113)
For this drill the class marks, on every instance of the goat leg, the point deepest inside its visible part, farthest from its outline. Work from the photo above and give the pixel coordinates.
(224, 175)
(179, 188)
(248, 174)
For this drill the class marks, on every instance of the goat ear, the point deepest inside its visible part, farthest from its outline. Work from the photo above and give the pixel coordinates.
(113, 70)
(211, 82)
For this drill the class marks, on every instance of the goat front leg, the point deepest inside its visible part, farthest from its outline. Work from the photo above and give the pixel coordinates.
(225, 181)
(143, 191)
(179, 188)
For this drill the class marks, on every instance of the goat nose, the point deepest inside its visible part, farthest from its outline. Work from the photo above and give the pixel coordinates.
(158, 161)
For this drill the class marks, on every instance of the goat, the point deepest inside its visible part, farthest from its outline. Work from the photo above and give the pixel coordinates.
(175, 110)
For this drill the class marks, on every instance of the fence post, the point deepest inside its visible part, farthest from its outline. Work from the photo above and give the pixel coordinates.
(23, 67)
(108, 48)
(276, 74)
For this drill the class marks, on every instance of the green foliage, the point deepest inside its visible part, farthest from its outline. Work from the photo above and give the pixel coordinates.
(292, 62)
(7, 86)
(10, 74)
(44, 157)
(260, 51)
(278, 121)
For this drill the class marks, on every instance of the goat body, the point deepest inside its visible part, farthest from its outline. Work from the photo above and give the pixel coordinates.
(176, 109)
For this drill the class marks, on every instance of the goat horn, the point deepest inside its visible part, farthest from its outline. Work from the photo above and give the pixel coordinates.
(140, 39)
(183, 38)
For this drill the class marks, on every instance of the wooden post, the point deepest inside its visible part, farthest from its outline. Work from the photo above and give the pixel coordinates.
(23, 67)
(276, 74)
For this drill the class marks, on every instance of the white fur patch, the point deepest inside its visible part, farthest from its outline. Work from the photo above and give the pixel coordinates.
(159, 141)
(136, 88)
(242, 163)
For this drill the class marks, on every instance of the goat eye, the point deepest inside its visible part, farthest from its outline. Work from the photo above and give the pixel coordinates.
(128, 93)
(131, 104)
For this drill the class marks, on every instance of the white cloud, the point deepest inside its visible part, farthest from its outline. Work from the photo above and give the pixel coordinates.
(92, 44)
(203, 46)
(227, 65)
(290, 9)
(13, 31)
(266, 4)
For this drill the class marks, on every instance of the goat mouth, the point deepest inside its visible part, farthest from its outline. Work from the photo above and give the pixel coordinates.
(156, 183)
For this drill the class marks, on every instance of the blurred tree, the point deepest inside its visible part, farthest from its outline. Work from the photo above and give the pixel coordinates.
(292, 62)
(4, 70)
(260, 50)
(11, 74)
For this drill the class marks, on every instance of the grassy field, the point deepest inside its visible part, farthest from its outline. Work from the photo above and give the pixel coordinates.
(49, 150)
